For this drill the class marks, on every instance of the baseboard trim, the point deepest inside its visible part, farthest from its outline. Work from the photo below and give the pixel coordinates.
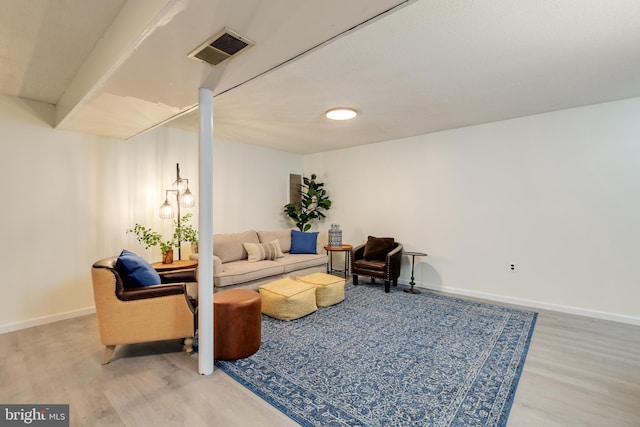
(10, 327)
(631, 320)
(621, 318)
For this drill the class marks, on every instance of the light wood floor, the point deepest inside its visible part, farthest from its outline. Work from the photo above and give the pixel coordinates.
(579, 372)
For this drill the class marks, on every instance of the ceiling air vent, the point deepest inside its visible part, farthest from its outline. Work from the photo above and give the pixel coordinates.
(221, 47)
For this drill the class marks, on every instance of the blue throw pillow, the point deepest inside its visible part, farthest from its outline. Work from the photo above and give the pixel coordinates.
(135, 271)
(303, 243)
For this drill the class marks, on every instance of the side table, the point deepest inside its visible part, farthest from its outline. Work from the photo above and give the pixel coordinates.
(413, 256)
(346, 249)
(179, 271)
(183, 264)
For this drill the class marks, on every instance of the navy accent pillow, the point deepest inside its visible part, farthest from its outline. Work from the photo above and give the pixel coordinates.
(135, 271)
(303, 243)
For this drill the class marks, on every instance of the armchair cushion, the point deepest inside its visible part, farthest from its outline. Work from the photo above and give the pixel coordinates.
(377, 248)
(135, 271)
(374, 265)
(303, 243)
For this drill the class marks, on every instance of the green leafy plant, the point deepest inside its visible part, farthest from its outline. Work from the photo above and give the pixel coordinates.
(185, 231)
(182, 233)
(150, 238)
(313, 201)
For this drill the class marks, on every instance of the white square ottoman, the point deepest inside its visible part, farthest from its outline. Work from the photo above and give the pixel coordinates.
(329, 288)
(288, 299)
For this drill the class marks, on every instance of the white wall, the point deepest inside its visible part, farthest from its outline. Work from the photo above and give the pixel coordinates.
(250, 186)
(48, 216)
(133, 177)
(69, 198)
(556, 194)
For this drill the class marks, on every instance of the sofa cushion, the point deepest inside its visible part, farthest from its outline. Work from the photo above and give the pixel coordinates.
(135, 271)
(303, 243)
(377, 248)
(238, 272)
(294, 262)
(283, 237)
(228, 247)
(260, 251)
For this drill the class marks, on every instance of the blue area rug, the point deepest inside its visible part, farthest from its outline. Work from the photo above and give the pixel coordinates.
(392, 359)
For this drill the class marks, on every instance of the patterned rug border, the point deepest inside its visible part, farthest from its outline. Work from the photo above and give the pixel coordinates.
(523, 359)
(288, 410)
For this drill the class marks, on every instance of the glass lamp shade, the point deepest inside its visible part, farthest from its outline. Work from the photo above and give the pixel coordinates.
(166, 211)
(187, 200)
(182, 185)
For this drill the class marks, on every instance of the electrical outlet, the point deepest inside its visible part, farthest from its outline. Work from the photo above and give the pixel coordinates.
(512, 267)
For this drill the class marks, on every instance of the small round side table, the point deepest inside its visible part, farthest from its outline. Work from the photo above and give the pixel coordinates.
(183, 264)
(346, 249)
(413, 256)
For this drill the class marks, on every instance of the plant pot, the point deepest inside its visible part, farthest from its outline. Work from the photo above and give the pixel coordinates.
(194, 248)
(167, 257)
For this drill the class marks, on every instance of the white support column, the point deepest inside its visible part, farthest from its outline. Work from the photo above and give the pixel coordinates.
(205, 241)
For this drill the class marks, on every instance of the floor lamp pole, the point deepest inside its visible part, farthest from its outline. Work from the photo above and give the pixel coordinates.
(178, 200)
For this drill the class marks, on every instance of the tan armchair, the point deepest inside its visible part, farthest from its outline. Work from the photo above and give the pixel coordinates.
(143, 314)
(379, 258)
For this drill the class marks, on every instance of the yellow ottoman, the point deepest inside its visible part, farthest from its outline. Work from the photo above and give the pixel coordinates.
(288, 299)
(329, 288)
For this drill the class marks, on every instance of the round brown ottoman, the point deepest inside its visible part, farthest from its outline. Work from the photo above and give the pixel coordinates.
(237, 323)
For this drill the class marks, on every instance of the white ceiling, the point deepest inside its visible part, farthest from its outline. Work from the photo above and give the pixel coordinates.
(119, 67)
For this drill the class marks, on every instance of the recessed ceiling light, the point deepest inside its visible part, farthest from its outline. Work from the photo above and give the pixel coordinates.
(341, 113)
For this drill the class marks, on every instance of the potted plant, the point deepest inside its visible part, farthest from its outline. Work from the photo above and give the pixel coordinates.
(149, 238)
(313, 201)
(182, 233)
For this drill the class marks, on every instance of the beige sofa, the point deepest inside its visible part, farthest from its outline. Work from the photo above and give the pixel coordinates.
(232, 269)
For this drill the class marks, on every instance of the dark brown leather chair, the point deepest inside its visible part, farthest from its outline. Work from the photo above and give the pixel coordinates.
(379, 258)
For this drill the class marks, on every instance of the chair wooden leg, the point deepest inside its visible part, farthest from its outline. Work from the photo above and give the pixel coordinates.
(355, 279)
(395, 282)
(387, 286)
(188, 344)
(108, 352)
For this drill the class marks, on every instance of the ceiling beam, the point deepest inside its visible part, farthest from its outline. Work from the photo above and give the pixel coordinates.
(135, 22)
